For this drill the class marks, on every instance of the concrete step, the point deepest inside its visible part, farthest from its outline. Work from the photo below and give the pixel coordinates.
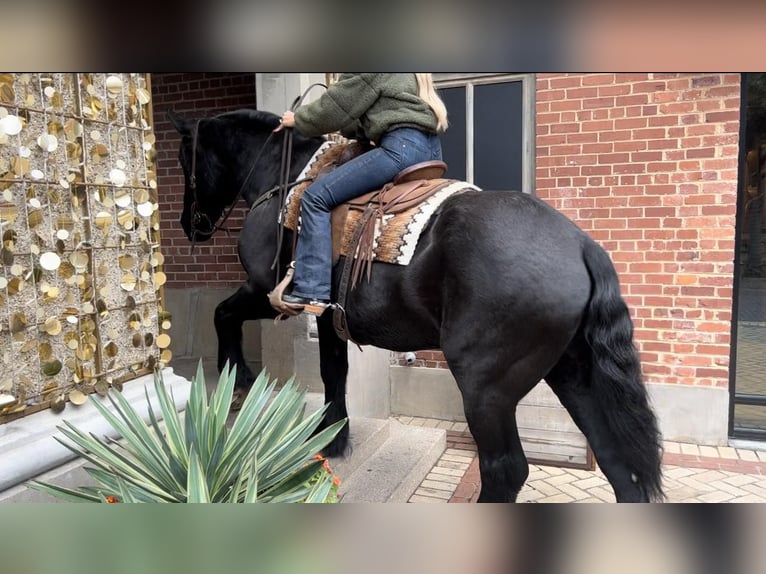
(365, 437)
(396, 469)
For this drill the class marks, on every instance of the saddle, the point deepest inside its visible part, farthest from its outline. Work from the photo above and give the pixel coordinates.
(409, 188)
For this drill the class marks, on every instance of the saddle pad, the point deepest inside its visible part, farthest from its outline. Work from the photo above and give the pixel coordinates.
(327, 153)
(396, 239)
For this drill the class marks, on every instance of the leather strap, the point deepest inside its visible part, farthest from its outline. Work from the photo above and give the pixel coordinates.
(359, 260)
(339, 313)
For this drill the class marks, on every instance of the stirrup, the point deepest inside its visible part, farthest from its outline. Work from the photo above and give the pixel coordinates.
(317, 310)
(275, 296)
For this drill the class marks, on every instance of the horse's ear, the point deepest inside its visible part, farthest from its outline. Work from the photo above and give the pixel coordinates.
(182, 125)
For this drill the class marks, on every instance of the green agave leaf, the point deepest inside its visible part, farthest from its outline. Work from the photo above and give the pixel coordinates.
(295, 457)
(196, 407)
(110, 460)
(175, 435)
(67, 494)
(249, 421)
(264, 457)
(281, 415)
(191, 432)
(111, 486)
(211, 465)
(256, 399)
(220, 402)
(291, 497)
(125, 492)
(139, 441)
(296, 480)
(295, 436)
(93, 449)
(219, 407)
(176, 465)
(251, 492)
(196, 486)
(321, 489)
(241, 483)
(254, 442)
(287, 407)
(245, 432)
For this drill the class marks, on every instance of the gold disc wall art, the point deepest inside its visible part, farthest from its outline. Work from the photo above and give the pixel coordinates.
(80, 267)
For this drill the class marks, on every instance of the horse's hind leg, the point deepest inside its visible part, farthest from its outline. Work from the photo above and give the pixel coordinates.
(570, 379)
(491, 392)
(244, 305)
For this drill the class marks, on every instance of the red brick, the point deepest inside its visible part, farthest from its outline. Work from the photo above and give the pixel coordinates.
(598, 102)
(722, 116)
(658, 194)
(614, 90)
(598, 126)
(598, 79)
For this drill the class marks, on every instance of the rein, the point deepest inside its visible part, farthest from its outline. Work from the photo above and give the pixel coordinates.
(284, 176)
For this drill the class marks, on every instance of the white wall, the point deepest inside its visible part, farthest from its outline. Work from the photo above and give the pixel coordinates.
(276, 92)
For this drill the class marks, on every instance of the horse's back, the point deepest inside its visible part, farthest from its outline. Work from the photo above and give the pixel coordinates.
(509, 243)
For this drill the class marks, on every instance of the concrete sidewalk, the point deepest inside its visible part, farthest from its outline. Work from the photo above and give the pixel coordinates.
(691, 474)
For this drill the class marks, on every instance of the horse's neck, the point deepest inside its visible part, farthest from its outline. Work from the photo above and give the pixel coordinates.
(300, 156)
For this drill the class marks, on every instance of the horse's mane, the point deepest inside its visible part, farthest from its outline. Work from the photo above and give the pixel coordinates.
(257, 120)
(263, 118)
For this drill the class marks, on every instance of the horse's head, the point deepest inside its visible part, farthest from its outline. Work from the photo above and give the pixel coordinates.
(207, 190)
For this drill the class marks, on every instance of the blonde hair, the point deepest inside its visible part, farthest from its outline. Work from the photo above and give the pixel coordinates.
(427, 93)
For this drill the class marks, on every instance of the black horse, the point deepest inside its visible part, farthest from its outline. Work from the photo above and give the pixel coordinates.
(509, 289)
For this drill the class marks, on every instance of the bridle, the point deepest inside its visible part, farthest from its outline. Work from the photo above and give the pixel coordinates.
(197, 216)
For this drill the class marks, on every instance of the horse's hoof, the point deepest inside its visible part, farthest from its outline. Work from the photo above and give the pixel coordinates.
(237, 399)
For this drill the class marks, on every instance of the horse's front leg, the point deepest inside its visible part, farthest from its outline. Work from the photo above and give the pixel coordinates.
(333, 365)
(246, 304)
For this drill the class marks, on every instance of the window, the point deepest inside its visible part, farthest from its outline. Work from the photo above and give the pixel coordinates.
(490, 141)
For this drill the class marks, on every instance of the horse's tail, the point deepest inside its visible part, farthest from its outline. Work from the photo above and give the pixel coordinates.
(616, 372)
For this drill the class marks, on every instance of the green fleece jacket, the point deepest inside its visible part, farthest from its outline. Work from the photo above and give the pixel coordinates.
(366, 106)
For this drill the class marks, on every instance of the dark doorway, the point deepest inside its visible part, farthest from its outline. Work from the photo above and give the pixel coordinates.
(748, 408)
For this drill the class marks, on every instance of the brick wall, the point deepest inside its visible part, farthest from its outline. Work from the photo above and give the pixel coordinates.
(215, 262)
(647, 165)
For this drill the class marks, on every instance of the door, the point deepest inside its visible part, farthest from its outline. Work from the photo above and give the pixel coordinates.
(748, 388)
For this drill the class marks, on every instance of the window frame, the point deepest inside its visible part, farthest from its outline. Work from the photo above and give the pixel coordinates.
(469, 81)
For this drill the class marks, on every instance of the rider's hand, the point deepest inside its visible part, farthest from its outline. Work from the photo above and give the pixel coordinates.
(287, 121)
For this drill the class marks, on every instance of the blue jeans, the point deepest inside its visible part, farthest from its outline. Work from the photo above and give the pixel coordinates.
(398, 149)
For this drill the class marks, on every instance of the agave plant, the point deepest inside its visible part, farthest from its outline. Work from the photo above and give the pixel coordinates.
(268, 454)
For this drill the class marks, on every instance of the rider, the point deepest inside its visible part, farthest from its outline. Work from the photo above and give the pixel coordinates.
(401, 115)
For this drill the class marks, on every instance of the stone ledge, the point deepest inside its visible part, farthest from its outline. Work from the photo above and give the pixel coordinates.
(28, 447)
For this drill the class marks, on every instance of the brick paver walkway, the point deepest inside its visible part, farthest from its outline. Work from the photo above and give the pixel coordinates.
(691, 474)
